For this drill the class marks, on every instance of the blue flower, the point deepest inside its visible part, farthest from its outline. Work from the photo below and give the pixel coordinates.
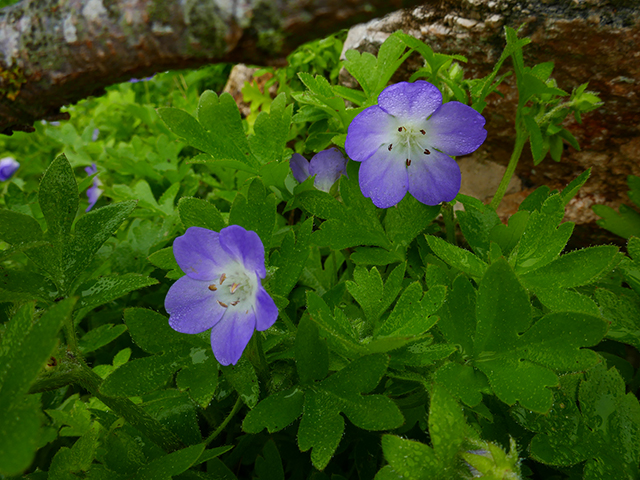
(327, 166)
(405, 143)
(221, 290)
(94, 191)
(8, 166)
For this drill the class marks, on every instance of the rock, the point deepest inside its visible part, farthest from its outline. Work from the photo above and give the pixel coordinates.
(595, 41)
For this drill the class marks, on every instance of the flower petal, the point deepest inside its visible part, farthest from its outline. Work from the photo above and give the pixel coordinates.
(244, 246)
(8, 166)
(266, 310)
(370, 129)
(231, 335)
(299, 167)
(327, 166)
(410, 101)
(456, 129)
(192, 307)
(199, 254)
(383, 178)
(434, 178)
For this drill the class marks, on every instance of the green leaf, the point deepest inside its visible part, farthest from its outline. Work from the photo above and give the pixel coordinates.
(242, 377)
(625, 222)
(20, 286)
(409, 459)
(463, 382)
(291, 258)
(256, 211)
(272, 131)
(518, 360)
(165, 260)
(351, 224)
(623, 314)
(58, 197)
(447, 428)
(457, 257)
(90, 233)
(574, 269)
(321, 426)
(458, 315)
(312, 355)
(76, 459)
(408, 219)
(172, 464)
(413, 313)
(17, 228)
(275, 412)
(200, 213)
(25, 347)
(508, 236)
(541, 242)
(99, 337)
(368, 290)
(591, 429)
(269, 466)
(363, 67)
(142, 375)
(572, 189)
(476, 222)
(105, 289)
(566, 301)
(201, 377)
(535, 139)
(336, 329)
(151, 331)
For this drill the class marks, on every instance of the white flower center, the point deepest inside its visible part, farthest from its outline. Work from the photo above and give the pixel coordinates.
(236, 287)
(409, 141)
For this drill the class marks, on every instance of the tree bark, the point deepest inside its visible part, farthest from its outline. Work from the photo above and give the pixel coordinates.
(56, 52)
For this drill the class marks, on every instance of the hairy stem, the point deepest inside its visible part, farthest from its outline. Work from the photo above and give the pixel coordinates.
(224, 423)
(449, 223)
(521, 138)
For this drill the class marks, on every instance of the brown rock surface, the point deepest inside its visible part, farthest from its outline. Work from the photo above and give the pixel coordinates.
(595, 41)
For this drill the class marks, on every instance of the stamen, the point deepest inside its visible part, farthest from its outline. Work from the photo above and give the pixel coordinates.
(234, 287)
(213, 288)
(390, 145)
(408, 162)
(235, 303)
(223, 277)
(402, 128)
(427, 152)
(423, 132)
(222, 304)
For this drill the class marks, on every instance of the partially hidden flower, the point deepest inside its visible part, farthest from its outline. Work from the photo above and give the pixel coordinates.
(221, 290)
(327, 166)
(8, 166)
(94, 191)
(405, 143)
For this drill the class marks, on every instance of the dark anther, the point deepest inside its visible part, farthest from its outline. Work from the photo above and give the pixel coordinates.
(427, 152)
(222, 304)
(408, 162)
(423, 132)
(213, 288)
(390, 145)
(399, 129)
(52, 362)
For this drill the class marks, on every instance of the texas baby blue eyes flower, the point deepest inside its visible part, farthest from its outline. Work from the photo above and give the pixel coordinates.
(327, 166)
(94, 191)
(221, 290)
(8, 166)
(405, 143)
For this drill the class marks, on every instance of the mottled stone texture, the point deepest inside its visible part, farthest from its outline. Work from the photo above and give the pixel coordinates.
(595, 41)
(56, 52)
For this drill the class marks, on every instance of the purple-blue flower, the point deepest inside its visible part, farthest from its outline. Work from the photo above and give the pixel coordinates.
(8, 166)
(405, 143)
(94, 191)
(327, 166)
(221, 290)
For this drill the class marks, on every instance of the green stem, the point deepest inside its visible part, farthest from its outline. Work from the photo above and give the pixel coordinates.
(521, 138)
(70, 333)
(449, 223)
(224, 423)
